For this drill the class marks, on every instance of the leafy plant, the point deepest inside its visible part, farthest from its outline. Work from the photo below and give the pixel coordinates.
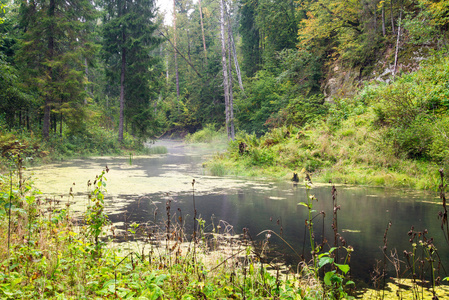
(95, 217)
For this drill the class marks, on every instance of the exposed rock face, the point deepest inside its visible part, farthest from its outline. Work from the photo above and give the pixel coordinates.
(343, 82)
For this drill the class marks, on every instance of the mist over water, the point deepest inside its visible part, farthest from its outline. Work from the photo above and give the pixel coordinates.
(137, 191)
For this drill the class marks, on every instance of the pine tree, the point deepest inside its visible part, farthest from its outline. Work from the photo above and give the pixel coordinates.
(129, 38)
(250, 37)
(52, 55)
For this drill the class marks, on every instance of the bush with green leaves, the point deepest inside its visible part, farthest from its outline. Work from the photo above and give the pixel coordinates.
(208, 134)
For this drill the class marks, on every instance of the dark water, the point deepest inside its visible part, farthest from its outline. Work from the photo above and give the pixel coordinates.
(263, 204)
(260, 205)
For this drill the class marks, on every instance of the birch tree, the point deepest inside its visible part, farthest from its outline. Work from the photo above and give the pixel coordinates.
(176, 53)
(228, 100)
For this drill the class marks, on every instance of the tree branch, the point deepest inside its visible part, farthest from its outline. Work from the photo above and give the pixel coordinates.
(177, 51)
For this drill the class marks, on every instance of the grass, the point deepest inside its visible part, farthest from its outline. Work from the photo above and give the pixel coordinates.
(47, 253)
(340, 155)
(157, 150)
(209, 134)
(392, 135)
(98, 142)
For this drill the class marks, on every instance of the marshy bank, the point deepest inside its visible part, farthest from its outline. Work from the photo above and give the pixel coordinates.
(152, 196)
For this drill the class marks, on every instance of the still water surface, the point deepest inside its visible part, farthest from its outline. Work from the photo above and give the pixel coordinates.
(138, 188)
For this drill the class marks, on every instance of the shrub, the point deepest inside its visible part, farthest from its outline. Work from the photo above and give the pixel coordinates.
(208, 134)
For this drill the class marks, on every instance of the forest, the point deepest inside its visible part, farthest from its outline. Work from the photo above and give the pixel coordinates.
(89, 77)
(333, 91)
(96, 77)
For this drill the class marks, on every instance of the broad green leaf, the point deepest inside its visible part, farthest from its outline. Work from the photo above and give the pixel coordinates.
(332, 249)
(327, 277)
(343, 268)
(325, 260)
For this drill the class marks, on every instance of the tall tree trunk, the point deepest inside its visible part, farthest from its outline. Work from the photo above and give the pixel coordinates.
(231, 93)
(234, 53)
(48, 100)
(225, 68)
(188, 45)
(86, 72)
(397, 45)
(122, 93)
(383, 19)
(176, 54)
(202, 31)
(46, 123)
(391, 15)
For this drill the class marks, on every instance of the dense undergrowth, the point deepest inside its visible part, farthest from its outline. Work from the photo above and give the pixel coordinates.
(96, 141)
(48, 253)
(390, 134)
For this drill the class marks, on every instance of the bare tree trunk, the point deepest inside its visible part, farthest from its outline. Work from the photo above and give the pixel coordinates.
(225, 68)
(183, 57)
(234, 53)
(188, 45)
(202, 30)
(176, 54)
(391, 15)
(48, 100)
(231, 93)
(383, 19)
(46, 123)
(122, 94)
(397, 45)
(86, 72)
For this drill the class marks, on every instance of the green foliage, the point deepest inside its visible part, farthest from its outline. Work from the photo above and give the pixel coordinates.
(207, 135)
(52, 258)
(277, 22)
(250, 38)
(157, 150)
(290, 98)
(14, 99)
(431, 22)
(334, 279)
(263, 99)
(95, 217)
(128, 48)
(52, 57)
(388, 134)
(300, 111)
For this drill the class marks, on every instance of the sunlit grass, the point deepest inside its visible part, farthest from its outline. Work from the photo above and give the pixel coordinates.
(342, 155)
(157, 150)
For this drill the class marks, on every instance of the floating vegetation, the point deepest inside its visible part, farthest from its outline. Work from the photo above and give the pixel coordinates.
(351, 230)
(405, 289)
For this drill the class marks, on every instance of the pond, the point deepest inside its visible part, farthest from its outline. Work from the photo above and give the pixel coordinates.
(138, 189)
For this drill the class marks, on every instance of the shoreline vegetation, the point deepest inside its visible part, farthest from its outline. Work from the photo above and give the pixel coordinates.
(47, 253)
(349, 92)
(392, 135)
(50, 253)
(98, 142)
